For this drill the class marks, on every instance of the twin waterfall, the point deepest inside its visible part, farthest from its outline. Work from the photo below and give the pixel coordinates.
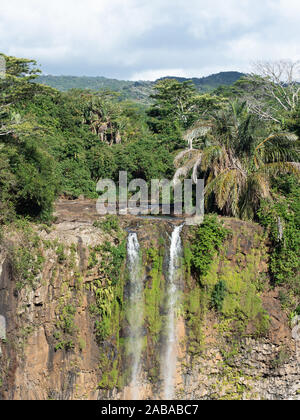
(136, 316)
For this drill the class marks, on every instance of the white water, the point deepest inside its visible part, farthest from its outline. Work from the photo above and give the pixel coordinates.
(170, 357)
(135, 313)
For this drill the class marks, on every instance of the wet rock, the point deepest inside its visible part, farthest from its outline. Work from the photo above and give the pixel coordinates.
(2, 328)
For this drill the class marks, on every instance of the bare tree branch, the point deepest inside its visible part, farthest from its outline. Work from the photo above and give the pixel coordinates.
(276, 88)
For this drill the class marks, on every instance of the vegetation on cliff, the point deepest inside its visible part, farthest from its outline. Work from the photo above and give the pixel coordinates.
(55, 144)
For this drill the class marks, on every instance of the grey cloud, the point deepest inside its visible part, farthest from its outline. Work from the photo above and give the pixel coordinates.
(120, 38)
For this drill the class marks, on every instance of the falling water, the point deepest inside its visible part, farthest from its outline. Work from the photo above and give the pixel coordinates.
(170, 355)
(135, 312)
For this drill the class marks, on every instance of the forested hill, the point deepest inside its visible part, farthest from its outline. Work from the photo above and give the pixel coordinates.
(129, 90)
(209, 83)
(139, 90)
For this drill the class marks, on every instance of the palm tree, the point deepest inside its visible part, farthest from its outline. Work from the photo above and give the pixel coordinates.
(100, 114)
(237, 162)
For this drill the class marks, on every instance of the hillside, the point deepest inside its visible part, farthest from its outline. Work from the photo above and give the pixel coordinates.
(139, 90)
(129, 90)
(213, 81)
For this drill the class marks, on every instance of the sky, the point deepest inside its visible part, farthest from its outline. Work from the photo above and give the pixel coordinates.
(148, 39)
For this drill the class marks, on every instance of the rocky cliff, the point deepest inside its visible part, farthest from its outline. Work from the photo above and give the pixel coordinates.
(63, 326)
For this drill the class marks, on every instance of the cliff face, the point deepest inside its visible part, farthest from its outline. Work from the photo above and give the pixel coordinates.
(263, 369)
(31, 368)
(56, 283)
(259, 359)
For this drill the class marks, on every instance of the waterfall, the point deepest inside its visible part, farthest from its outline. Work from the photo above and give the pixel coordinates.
(170, 354)
(135, 315)
(135, 312)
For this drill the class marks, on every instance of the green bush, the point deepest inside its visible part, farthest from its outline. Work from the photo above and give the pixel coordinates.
(112, 263)
(282, 219)
(218, 295)
(66, 319)
(110, 225)
(208, 238)
(26, 256)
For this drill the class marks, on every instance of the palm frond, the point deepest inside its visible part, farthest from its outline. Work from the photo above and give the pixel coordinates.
(211, 155)
(280, 168)
(257, 188)
(226, 188)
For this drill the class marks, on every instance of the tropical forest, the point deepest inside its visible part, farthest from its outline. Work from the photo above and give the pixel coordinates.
(149, 307)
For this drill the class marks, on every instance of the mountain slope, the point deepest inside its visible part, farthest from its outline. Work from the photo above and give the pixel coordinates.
(139, 90)
(213, 81)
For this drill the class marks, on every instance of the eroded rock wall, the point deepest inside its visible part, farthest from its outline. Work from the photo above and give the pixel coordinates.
(49, 343)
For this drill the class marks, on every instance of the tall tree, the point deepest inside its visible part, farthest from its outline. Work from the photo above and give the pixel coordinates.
(15, 87)
(177, 106)
(238, 164)
(30, 184)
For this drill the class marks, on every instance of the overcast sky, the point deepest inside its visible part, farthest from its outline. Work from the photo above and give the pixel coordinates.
(147, 39)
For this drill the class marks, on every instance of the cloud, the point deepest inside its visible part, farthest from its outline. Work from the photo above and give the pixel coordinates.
(147, 39)
(156, 74)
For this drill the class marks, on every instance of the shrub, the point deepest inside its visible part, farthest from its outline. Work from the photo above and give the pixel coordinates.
(208, 238)
(218, 295)
(282, 219)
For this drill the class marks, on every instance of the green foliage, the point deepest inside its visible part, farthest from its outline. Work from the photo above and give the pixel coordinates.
(218, 295)
(108, 288)
(113, 261)
(111, 224)
(66, 319)
(54, 143)
(61, 143)
(31, 182)
(93, 260)
(233, 289)
(238, 299)
(139, 90)
(195, 306)
(82, 344)
(108, 309)
(177, 106)
(282, 219)
(154, 293)
(208, 238)
(174, 105)
(154, 298)
(239, 158)
(65, 345)
(281, 358)
(104, 304)
(60, 252)
(16, 86)
(294, 121)
(26, 256)
(67, 330)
